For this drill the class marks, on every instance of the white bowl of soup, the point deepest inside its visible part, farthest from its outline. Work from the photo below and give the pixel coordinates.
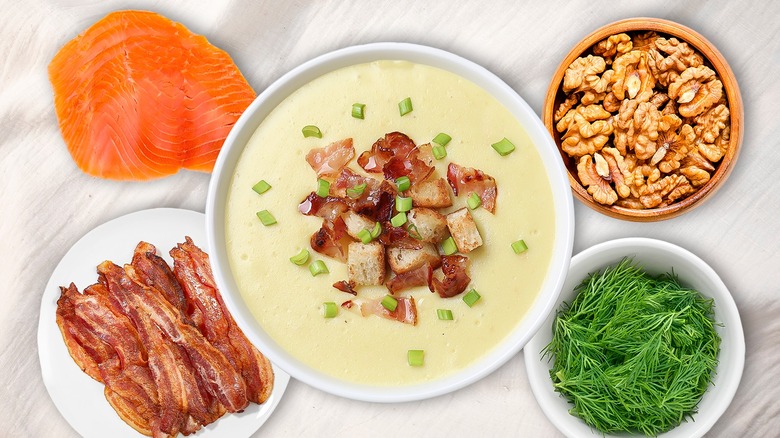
(279, 304)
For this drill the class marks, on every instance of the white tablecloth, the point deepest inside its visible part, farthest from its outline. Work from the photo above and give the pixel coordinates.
(48, 204)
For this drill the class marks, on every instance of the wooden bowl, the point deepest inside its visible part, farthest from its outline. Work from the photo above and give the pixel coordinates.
(713, 59)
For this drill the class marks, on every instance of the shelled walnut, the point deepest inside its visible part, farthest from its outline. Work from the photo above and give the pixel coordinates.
(644, 118)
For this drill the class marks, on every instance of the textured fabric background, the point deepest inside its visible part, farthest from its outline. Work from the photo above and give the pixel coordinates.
(48, 204)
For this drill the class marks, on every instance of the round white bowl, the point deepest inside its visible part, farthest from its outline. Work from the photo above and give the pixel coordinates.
(656, 257)
(275, 94)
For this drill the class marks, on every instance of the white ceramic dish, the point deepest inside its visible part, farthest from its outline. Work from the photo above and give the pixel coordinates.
(307, 72)
(79, 398)
(656, 257)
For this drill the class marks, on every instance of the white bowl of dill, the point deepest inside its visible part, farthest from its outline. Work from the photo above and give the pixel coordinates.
(645, 340)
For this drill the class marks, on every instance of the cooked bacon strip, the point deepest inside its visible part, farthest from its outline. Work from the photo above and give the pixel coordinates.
(105, 345)
(469, 180)
(329, 160)
(162, 329)
(395, 155)
(421, 276)
(154, 272)
(346, 286)
(331, 239)
(328, 208)
(398, 237)
(455, 277)
(405, 311)
(191, 266)
(376, 203)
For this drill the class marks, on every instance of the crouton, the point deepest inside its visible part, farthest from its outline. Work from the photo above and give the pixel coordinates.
(464, 230)
(433, 193)
(431, 225)
(355, 223)
(366, 263)
(404, 260)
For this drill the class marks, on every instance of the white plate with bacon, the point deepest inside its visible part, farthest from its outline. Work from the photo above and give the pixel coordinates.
(80, 398)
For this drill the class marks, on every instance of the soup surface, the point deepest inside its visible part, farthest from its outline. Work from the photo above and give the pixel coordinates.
(286, 299)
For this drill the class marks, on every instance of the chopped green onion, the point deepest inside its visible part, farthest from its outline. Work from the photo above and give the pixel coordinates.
(403, 183)
(266, 217)
(503, 147)
(439, 152)
(389, 303)
(323, 188)
(403, 204)
(519, 246)
(405, 106)
(301, 258)
(330, 309)
(261, 187)
(448, 247)
(471, 297)
(444, 314)
(364, 236)
(355, 192)
(398, 219)
(473, 201)
(358, 110)
(416, 358)
(412, 230)
(442, 139)
(311, 131)
(318, 267)
(376, 231)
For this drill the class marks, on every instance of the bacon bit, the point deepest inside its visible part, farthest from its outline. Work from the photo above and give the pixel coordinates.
(469, 180)
(329, 160)
(455, 277)
(345, 286)
(330, 239)
(395, 155)
(376, 202)
(328, 208)
(421, 276)
(347, 178)
(405, 311)
(397, 237)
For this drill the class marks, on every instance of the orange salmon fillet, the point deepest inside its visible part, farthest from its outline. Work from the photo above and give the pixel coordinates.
(139, 96)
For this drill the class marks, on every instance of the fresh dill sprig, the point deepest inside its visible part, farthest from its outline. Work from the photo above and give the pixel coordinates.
(633, 352)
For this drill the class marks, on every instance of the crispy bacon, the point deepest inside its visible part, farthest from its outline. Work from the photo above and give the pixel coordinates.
(421, 276)
(469, 180)
(331, 239)
(161, 330)
(106, 346)
(329, 160)
(376, 202)
(328, 208)
(154, 272)
(397, 237)
(395, 155)
(455, 277)
(193, 271)
(346, 286)
(405, 311)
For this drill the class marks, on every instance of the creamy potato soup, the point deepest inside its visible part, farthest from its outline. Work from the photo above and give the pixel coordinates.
(287, 300)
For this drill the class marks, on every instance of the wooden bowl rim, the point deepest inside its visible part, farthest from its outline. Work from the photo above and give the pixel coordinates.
(733, 96)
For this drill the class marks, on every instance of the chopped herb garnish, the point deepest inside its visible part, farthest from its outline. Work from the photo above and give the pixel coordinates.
(323, 188)
(439, 152)
(448, 247)
(261, 187)
(376, 231)
(357, 191)
(444, 314)
(398, 220)
(403, 183)
(266, 217)
(503, 147)
(405, 106)
(330, 309)
(403, 204)
(301, 258)
(471, 297)
(442, 139)
(519, 247)
(318, 267)
(416, 358)
(311, 131)
(473, 201)
(389, 303)
(358, 110)
(364, 236)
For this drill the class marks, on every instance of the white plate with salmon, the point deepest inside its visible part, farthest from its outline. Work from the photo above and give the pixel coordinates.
(134, 338)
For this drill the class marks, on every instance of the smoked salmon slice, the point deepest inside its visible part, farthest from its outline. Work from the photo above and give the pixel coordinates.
(138, 96)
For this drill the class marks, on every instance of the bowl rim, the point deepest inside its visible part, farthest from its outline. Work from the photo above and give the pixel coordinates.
(727, 383)
(730, 85)
(304, 73)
